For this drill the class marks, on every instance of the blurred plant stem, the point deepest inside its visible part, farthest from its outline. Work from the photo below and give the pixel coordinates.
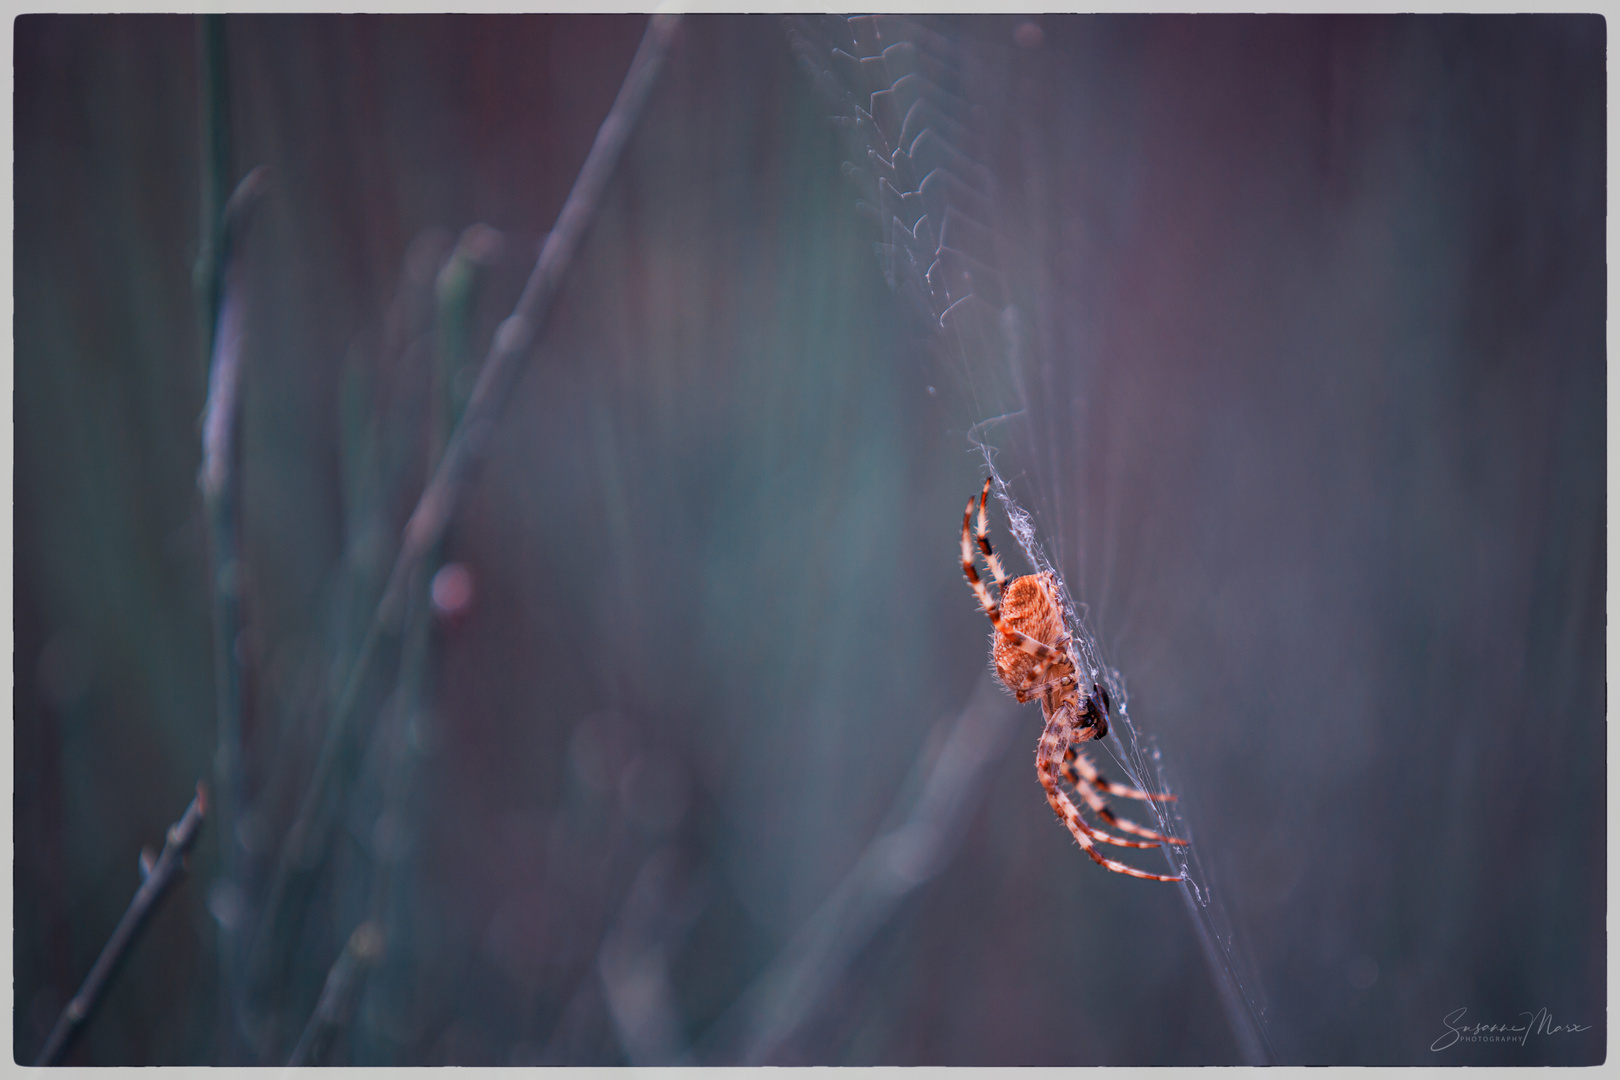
(161, 874)
(517, 334)
(401, 739)
(216, 477)
(221, 304)
(463, 451)
(633, 960)
(455, 289)
(363, 948)
(790, 989)
(213, 94)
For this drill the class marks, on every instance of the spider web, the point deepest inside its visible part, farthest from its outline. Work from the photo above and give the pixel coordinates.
(955, 194)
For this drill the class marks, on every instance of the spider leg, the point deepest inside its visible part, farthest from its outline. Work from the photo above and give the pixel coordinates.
(1054, 740)
(1072, 714)
(990, 558)
(1099, 805)
(1031, 691)
(991, 607)
(1038, 649)
(1032, 688)
(1096, 780)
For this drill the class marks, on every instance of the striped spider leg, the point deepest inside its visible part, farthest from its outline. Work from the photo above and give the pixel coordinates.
(1034, 658)
(1090, 785)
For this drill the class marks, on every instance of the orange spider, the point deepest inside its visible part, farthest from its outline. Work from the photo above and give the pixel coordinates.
(1034, 657)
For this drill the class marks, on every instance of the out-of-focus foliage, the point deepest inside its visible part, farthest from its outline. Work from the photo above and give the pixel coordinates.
(1318, 307)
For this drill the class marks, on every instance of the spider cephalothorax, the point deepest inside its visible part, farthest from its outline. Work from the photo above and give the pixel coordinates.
(1034, 657)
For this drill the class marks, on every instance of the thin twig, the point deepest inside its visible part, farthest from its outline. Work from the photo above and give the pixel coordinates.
(217, 474)
(516, 335)
(217, 478)
(431, 518)
(182, 834)
(368, 940)
(778, 1002)
(455, 290)
(365, 945)
(633, 959)
(213, 92)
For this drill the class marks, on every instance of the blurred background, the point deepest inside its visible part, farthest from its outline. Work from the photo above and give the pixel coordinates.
(689, 752)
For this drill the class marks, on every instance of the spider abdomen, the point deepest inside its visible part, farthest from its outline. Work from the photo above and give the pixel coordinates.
(1028, 605)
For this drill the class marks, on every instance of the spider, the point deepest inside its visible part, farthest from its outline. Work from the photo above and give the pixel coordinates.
(1034, 658)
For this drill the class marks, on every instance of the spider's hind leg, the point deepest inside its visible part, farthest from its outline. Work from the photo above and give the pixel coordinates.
(1097, 780)
(1054, 741)
(1075, 770)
